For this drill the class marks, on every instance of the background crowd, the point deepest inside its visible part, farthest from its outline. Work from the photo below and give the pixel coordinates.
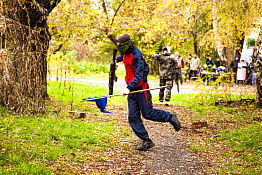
(190, 69)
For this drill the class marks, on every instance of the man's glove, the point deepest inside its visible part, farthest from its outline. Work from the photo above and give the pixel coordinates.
(126, 91)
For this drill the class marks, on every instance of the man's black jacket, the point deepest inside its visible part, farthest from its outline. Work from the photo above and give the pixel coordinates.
(234, 65)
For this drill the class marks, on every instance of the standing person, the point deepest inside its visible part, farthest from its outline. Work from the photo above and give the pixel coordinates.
(140, 103)
(194, 66)
(218, 62)
(241, 72)
(180, 63)
(189, 57)
(249, 69)
(167, 62)
(187, 70)
(234, 66)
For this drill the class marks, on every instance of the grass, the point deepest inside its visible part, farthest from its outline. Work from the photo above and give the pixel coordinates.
(245, 148)
(246, 138)
(67, 91)
(120, 73)
(232, 138)
(46, 144)
(50, 143)
(71, 94)
(30, 144)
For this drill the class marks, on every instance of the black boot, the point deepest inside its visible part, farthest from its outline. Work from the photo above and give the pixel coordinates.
(174, 121)
(147, 144)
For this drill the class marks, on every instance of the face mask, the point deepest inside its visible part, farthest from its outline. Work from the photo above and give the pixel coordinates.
(122, 47)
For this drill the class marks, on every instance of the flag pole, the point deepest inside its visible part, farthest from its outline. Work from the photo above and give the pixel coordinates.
(132, 92)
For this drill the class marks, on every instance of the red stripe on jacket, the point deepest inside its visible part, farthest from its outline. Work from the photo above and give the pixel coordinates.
(144, 86)
(130, 71)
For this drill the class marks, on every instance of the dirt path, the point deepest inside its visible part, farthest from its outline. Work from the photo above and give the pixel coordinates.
(186, 88)
(170, 155)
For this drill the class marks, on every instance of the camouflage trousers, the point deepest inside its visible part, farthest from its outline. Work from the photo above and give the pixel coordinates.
(165, 82)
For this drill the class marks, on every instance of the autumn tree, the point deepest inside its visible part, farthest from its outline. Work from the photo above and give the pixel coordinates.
(234, 20)
(24, 44)
(89, 20)
(199, 26)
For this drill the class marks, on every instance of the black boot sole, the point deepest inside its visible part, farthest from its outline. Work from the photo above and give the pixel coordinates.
(174, 121)
(145, 148)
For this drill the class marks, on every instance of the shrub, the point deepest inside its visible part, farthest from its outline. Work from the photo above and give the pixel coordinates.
(81, 67)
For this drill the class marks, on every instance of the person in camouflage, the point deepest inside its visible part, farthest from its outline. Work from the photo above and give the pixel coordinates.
(167, 63)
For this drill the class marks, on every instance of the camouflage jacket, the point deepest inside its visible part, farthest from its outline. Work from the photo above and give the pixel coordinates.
(166, 65)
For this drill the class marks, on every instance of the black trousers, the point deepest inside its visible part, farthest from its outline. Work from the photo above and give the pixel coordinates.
(193, 73)
(248, 79)
(180, 76)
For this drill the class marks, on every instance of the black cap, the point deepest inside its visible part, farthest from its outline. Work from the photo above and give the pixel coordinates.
(123, 38)
(190, 54)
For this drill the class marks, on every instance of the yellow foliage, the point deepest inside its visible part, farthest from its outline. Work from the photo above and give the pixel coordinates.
(174, 21)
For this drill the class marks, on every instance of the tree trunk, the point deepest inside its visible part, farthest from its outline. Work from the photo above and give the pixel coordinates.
(258, 101)
(195, 43)
(239, 44)
(112, 38)
(215, 28)
(23, 69)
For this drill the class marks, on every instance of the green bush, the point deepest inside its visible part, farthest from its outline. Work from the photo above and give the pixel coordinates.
(84, 67)
(251, 42)
(81, 67)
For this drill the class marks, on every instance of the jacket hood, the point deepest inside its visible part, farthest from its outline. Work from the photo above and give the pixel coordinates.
(249, 60)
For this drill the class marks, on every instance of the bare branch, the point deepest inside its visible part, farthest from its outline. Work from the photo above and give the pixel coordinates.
(116, 12)
(104, 6)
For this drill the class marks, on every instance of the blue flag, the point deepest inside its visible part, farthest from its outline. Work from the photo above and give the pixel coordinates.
(100, 103)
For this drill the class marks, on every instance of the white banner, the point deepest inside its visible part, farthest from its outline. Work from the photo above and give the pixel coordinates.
(248, 50)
